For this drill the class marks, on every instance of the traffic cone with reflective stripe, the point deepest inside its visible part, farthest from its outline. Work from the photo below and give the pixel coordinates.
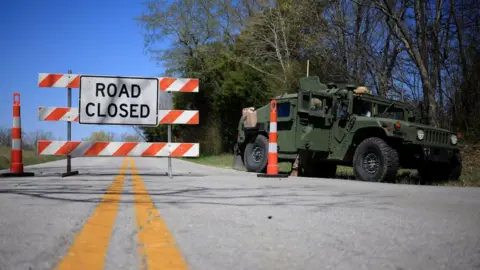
(16, 165)
(272, 164)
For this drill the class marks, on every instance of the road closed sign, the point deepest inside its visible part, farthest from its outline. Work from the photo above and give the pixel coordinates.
(118, 100)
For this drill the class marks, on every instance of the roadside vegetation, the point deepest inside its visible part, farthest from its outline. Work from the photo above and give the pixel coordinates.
(30, 157)
(246, 52)
(29, 140)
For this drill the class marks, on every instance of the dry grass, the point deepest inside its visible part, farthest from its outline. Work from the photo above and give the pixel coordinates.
(471, 166)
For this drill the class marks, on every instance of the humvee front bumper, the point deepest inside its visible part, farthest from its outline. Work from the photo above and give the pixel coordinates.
(437, 154)
(413, 155)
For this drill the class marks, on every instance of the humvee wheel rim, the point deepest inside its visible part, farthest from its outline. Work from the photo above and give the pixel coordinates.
(257, 154)
(371, 163)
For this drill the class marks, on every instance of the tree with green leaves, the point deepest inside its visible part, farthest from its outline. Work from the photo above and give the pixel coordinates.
(246, 52)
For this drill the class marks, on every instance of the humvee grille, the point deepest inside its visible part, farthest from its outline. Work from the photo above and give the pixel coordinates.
(437, 137)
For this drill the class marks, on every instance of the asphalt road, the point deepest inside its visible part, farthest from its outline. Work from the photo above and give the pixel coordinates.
(119, 214)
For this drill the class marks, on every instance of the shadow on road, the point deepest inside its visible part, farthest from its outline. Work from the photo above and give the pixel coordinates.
(316, 195)
(123, 174)
(91, 184)
(50, 172)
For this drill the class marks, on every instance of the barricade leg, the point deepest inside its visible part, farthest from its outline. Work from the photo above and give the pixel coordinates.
(272, 164)
(69, 171)
(16, 165)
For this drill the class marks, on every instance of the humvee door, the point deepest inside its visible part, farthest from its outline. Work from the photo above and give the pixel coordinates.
(285, 126)
(314, 121)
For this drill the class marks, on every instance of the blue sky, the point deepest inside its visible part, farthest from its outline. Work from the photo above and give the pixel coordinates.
(89, 37)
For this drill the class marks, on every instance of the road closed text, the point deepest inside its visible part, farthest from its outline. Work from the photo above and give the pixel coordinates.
(124, 110)
(118, 100)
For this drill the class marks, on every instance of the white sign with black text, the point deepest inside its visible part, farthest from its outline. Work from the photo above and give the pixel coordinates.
(118, 100)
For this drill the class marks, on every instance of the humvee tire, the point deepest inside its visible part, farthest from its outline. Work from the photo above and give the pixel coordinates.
(255, 156)
(375, 161)
(430, 173)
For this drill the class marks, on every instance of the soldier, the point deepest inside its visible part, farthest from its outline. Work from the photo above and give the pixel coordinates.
(316, 104)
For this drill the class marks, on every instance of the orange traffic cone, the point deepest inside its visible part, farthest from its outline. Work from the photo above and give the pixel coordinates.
(16, 165)
(272, 164)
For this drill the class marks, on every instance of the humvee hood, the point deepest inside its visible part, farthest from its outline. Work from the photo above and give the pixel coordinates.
(425, 127)
(414, 125)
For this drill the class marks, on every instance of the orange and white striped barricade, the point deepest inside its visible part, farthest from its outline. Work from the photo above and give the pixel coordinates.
(117, 149)
(16, 164)
(188, 117)
(86, 148)
(170, 85)
(272, 163)
(61, 81)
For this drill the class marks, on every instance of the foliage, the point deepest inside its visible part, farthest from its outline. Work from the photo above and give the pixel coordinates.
(246, 52)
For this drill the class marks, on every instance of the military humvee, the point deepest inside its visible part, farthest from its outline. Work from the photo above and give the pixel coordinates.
(326, 125)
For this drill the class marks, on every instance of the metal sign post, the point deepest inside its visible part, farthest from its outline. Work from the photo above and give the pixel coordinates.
(166, 105)
(169, 95)
(169, 157)
(69, 133)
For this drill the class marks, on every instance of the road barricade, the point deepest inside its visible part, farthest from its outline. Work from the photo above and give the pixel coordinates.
(117, 149)
(117, 100)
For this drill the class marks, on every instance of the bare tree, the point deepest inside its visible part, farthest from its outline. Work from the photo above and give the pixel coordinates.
(39, 135)
(363, 45)
(100, 136)
(5, 137)
(125, 137)
(415, 42)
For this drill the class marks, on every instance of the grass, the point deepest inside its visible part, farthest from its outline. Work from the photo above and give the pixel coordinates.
(470, 174)
(226, 161)
(30, 157)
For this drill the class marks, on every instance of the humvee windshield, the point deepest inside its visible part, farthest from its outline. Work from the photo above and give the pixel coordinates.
(369, 109)
(362, 107)
(391, 112)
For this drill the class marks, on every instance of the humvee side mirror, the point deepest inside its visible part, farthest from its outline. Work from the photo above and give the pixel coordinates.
(411, 116)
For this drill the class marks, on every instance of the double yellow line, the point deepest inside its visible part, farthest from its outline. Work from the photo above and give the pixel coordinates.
(156, 246)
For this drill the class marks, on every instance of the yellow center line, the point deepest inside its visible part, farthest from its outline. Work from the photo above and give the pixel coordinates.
(156, 245)
(89, 249)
